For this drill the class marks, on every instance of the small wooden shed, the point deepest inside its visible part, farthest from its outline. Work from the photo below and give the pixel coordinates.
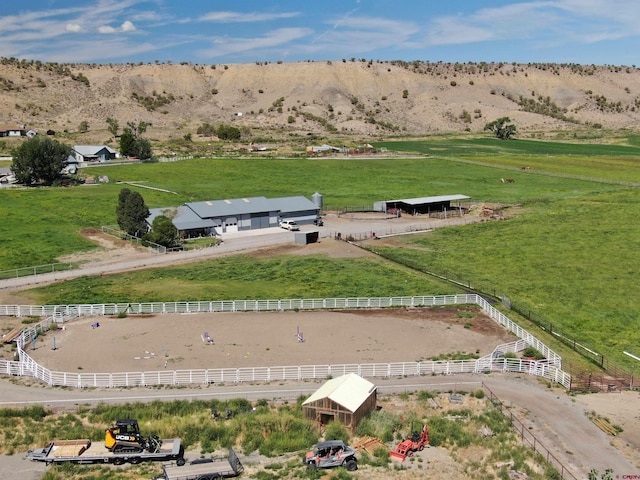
(346, 399)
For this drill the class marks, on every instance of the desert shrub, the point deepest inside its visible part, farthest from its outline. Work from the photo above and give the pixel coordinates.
(531, 352)
(336, 431)
(425, 395)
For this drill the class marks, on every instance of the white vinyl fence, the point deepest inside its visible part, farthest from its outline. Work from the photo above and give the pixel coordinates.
(550, 368)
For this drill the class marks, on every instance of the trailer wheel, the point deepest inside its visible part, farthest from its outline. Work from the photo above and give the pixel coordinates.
(180, 462)
(352, 465)
(118, 461)
(312, 464)
(135, 460)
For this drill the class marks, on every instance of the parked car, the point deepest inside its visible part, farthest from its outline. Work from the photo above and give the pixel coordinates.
(289, 225)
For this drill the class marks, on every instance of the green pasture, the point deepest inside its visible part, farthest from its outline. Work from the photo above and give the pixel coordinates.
(570, 255)
(39, 225)
(612, 162)
(243, 277)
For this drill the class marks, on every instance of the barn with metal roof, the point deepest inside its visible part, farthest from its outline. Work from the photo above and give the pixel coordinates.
(421, 205)
(212, 217)
(346, 399)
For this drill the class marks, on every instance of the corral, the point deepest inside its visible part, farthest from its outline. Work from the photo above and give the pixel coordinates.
(248, 339)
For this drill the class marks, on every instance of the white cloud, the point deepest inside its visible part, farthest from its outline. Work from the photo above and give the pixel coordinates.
(228, 45)
(241, 17)
(106, 29)
(125, 27)
(128, 27)
(73, 27)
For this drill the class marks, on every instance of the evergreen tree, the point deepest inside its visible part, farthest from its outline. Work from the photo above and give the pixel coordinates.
(163, 232)
(131, 213)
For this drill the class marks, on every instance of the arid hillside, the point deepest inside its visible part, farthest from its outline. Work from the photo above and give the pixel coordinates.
(350, 97)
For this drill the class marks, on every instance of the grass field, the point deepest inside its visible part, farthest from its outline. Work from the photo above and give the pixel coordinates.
(571, 255)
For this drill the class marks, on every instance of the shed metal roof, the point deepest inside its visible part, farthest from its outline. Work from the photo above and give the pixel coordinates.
(349, 390)
(225, 208)
(241, 206)
(423, 200)
(184, 219)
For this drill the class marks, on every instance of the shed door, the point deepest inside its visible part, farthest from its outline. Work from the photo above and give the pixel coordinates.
(231, 224)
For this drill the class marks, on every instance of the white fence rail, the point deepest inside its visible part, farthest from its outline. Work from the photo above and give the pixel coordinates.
(26, 366)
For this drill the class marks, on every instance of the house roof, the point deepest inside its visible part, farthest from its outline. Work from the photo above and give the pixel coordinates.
(91, 150)
(184, 219)
(349, 390)
(423, 200)
(13, 128)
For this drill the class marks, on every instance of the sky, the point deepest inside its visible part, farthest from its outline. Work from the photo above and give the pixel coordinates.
(601, 32)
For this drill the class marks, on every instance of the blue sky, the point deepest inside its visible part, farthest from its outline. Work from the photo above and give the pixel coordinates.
(216, 31)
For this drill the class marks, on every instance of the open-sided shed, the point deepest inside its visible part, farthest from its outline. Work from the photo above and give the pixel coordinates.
(421, 205)
(346, 399)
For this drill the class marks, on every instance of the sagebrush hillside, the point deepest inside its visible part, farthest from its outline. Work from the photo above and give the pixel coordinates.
(345, 96)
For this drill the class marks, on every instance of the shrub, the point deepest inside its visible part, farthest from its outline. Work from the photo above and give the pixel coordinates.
(336, 431)
(531, 352)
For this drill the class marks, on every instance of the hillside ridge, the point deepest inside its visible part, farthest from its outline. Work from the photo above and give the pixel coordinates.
(352, 97)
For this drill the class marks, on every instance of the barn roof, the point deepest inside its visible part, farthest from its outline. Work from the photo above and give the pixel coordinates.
(240, 206)
(423, 200)
(225, 208)
(349, 390)
(184, 218)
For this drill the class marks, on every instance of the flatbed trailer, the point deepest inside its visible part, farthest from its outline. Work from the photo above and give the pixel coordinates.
(84, 451)
(204, 469)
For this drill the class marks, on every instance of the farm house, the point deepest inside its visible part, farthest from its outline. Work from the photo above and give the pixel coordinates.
(346, 399)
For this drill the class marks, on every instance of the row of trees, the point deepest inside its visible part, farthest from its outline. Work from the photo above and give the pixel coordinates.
(131, 142)
(132, 214)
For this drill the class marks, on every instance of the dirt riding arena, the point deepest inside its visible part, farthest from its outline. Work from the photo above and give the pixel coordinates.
(179, 341)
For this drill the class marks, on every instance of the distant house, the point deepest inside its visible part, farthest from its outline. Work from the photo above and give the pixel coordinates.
(94, 153)
(12, 131)
(322, 149)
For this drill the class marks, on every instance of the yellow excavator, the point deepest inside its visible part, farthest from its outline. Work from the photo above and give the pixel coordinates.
(125, 437)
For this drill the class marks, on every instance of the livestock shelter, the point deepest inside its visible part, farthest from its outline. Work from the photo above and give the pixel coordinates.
(421, 205)
(213, 217)
(346, 399)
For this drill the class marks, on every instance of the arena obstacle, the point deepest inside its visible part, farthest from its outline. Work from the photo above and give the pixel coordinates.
(300, 335)
(206, 338)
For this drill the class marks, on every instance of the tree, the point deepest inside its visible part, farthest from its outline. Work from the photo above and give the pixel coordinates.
(163, 232)
(39, 159)
(127, 143)
(206, 130)
(131, 213)
(502, 128)
(139, 128)
(113, 126)
(228, 132)
(83, 127)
